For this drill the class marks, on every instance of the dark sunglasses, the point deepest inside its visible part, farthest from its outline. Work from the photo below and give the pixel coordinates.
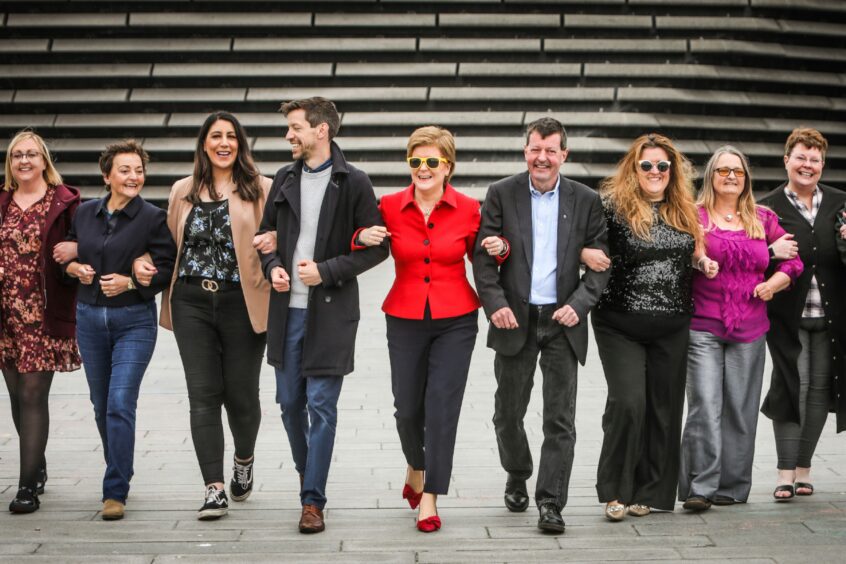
(646, 166)
(431, 162)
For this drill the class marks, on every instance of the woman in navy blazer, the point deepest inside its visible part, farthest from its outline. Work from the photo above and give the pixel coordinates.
(116, 318)
(431, 313)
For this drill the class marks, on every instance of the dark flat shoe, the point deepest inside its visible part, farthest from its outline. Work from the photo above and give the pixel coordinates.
(724, 500)
(804, 486)
(784, 488)
(697, 503)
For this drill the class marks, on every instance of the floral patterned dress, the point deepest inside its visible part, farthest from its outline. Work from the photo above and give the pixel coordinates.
(24, 346)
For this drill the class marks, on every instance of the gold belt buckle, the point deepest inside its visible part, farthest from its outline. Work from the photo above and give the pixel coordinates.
(210, 286)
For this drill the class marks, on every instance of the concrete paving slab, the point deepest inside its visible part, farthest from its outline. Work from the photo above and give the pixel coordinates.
(23, 45)
(71, 95)
(483, 45)
(388, 20)
(499, 20)
(148, 45)
(58, 19)
(224, 19)
(27, 120)
(606, 21)
(188, 94)
(318, 44)
(716, 23)
(340, 94)
(805, 28)
(76, 71)
(559, 94)
(519, 69)
(447, 119)
(241, 69)
(395, 69)
(613, 45)
(819, 5)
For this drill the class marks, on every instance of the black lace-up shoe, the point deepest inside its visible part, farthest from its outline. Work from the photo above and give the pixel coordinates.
(241, 485)
(216, 505)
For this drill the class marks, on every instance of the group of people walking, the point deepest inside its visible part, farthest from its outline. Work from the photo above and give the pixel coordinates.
(684, 295)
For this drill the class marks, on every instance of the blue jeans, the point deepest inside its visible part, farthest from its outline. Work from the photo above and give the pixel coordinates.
(309, 412)
(116, 344)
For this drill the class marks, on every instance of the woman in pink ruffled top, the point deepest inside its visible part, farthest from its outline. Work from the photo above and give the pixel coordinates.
(727, 333)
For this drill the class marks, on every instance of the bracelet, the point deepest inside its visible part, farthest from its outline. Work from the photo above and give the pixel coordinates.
(504, 250)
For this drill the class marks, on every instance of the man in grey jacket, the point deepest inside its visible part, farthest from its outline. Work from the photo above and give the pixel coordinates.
(538, 303)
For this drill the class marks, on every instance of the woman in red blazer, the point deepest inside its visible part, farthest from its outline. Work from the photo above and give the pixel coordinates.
(431, 312)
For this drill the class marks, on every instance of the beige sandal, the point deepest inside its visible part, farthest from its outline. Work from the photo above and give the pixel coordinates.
(638, 510)
(615, 511)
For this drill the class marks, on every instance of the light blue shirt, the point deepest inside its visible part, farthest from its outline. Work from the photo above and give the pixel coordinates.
(544, 245)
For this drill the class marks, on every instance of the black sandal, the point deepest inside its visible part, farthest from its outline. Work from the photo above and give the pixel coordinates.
(804, 486)
(784, 488)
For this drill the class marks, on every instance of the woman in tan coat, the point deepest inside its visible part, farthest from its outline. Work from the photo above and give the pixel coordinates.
(217, 301)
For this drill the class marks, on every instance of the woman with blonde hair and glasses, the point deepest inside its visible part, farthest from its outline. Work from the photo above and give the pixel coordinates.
(37, 310)
(431, 312)
(641, 324)
(727, 333)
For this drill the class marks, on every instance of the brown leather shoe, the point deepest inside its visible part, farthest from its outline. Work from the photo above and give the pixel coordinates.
(112, 510)
(311, 520)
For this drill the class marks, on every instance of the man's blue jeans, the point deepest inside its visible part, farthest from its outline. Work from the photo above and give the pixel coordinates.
(116, 344)
(309, 412)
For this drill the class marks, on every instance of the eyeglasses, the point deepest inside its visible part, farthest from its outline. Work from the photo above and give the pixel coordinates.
(803, 159)
(30, 156)
(646, 166)
(431, 162)
(725, 171)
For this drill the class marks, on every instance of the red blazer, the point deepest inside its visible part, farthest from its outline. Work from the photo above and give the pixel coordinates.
(429, 255)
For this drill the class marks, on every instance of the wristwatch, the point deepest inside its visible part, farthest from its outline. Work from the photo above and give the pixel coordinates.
(771, 252)
(130, 285)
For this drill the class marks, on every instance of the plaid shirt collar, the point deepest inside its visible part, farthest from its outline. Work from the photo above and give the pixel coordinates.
(808, 214)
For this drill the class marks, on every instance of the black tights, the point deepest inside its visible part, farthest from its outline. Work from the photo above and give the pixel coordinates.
(29, 393)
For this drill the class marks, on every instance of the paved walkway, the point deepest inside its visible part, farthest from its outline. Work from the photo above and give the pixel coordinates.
(367, 521)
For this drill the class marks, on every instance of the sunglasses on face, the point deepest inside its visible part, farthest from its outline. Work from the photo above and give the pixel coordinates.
(431, 162)
(725, 171)
(646, 166)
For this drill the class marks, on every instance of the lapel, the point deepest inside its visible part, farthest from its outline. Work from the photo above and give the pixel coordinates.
(566, 206)
(327, 217)
(523, 205)
(827, 205)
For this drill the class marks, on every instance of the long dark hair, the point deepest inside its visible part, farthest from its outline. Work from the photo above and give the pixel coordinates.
(245, 174)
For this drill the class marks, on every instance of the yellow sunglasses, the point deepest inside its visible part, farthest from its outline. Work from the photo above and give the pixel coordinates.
(431, 162)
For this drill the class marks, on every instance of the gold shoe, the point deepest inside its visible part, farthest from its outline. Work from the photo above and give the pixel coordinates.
(638, 510)
(112, 510)
(615, 511)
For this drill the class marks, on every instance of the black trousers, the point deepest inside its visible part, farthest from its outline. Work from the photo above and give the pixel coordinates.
(222, 358)
(645, 362)
(430, 359)
(515, 378)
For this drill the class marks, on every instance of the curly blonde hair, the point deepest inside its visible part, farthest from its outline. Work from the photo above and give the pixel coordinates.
(623, 191)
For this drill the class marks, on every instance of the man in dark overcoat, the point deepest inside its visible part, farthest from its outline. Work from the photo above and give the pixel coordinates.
(538, 303)
(315, 207)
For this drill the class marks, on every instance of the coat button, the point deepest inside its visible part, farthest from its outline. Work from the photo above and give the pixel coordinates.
(426, 280)
(524, 300)
(425, 241)
(327, 299)
(427, 260)
(431, 225)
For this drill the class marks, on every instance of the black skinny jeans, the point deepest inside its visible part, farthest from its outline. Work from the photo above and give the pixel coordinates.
(222, 358)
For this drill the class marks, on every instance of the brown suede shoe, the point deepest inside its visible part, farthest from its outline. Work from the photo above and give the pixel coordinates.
(312, 520)
(112, 510)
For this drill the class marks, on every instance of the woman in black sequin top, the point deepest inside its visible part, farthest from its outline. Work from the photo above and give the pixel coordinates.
(641, 325)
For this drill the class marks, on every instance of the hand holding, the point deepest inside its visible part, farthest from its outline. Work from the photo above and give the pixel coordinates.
(504, 318)
(710, 268)
(65, 252)
(279, 279)
(84, 272)
(763, 292)
(114, 284)
(595, 259)
(785, 248)
(566, 315)
(373, 236)
(308, 273)
(143, 271)
(265, 243)
(494, 245)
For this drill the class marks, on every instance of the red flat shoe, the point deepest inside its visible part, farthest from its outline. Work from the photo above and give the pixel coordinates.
(412, 496)
(429, 524)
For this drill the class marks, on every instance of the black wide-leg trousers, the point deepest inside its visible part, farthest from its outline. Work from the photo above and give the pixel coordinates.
(645, 362)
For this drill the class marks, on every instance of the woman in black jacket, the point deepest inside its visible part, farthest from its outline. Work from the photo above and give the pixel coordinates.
(807, 338)
(116, 318)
